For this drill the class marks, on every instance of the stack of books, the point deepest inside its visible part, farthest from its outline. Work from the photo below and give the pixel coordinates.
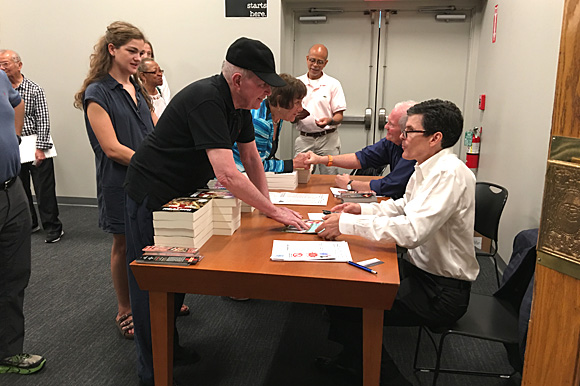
(247, 208)
(304, 175)
(227, 210)
(350, 196)
(155, 254)
(183, 222)
(282, 181)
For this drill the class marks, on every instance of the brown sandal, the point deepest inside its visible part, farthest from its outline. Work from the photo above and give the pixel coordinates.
(124, 325)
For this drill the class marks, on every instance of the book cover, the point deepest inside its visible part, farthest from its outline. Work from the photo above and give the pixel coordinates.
(154, 249)
(312, 225)
(183, 208)
(169, 260)
(358, 197)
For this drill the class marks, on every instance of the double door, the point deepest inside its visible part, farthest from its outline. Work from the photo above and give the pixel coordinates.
(382, 57)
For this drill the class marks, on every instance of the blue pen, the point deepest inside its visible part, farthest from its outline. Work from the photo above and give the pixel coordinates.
(361, 267)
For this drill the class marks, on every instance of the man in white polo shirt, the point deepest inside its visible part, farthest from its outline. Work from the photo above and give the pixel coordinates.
(324, 105)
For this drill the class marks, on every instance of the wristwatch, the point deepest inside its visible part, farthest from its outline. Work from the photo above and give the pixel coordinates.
(348, 186)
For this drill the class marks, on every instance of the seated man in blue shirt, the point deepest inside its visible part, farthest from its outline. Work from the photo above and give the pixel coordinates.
(387, 151)
(284, 104)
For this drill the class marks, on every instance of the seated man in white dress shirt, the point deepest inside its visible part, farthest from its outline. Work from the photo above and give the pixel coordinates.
(434, 220)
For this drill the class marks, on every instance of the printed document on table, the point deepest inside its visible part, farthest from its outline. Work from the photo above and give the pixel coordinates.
(289, 198)
(328, 251)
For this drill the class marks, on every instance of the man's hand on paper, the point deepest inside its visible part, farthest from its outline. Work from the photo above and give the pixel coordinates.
(347, 207)
(289, 217)
(329, 229)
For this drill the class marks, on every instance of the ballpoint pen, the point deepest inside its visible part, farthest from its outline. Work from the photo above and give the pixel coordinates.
(361, 267)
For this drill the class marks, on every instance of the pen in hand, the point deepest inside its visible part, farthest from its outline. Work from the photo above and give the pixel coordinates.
(361, 267)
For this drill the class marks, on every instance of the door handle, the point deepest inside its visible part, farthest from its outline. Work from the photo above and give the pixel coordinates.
(382, 118)
(368, 118)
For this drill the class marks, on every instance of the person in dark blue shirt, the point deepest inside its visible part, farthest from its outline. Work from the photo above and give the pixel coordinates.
(387, 151)
(15, 223)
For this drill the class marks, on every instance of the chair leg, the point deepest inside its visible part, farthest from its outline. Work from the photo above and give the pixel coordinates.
(417, 348)
(494, 258)
(438, 361)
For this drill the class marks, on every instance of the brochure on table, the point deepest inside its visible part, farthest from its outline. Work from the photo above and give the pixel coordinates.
(326, 251)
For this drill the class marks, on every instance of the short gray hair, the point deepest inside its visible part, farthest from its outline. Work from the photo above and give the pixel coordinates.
(405, 105)
(229, 69)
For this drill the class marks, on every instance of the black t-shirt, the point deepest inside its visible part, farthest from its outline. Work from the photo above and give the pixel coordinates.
(172, 160)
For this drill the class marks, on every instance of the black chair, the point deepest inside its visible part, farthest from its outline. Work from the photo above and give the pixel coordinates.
(490, 200)
(493, 318)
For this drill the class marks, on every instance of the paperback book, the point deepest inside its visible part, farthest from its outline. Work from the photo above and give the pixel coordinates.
(170, 260)
(358, 197)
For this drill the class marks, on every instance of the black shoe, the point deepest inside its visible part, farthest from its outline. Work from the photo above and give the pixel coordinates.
(53, 237)
(332, 366)
(35, 228)
(185, 356)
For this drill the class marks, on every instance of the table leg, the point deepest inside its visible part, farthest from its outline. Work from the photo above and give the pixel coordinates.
(372, 343)
(162, 321)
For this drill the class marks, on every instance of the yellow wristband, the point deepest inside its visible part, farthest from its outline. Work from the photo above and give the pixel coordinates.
(329, 163)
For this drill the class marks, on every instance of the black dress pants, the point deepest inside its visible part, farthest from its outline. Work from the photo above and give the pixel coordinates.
(45, 189)
(14, 267)
(422, 299)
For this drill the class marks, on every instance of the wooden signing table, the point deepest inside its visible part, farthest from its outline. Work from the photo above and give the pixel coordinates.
(240, 266)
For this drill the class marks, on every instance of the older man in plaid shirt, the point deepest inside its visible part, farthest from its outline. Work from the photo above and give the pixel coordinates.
(36, 121)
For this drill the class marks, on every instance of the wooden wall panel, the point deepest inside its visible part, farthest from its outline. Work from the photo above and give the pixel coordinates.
(553, 349)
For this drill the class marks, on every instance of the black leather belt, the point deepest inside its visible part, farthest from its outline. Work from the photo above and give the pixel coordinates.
(318, 133)
(8, 183)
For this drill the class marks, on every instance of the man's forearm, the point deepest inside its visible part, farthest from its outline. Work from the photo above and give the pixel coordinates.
(347, 161)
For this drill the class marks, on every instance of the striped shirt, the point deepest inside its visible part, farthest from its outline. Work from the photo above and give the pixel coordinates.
(265, 142)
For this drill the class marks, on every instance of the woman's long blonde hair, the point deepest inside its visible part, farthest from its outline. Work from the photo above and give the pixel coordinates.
(118, 33)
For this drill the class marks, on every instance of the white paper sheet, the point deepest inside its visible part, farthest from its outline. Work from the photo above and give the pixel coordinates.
(326, 251)
(28, 148)
(289, 198)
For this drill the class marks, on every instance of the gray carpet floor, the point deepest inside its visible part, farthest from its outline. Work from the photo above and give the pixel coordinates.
(70, 308)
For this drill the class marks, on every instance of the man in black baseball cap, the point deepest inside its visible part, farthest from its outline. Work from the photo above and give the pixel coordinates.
(255, 56)
(192, 143)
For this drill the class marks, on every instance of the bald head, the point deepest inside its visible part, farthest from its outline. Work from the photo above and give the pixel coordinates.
(11, 64)
(316, 60)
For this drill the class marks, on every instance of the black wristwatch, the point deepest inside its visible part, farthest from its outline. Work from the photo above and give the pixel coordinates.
(348, 186)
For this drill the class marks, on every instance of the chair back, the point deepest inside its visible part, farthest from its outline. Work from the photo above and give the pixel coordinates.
(490, 200)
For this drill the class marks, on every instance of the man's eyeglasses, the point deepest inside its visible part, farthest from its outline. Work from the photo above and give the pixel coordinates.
(320, 62)
(406, 132)
(153, 72)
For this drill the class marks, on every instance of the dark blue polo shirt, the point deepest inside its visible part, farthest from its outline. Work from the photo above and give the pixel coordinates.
(383, 153)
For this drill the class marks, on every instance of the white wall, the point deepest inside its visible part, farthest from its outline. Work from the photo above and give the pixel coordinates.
(518, 75)
(56, 37)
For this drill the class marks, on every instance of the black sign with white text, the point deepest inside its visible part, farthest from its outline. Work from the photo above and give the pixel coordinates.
(245, 8)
